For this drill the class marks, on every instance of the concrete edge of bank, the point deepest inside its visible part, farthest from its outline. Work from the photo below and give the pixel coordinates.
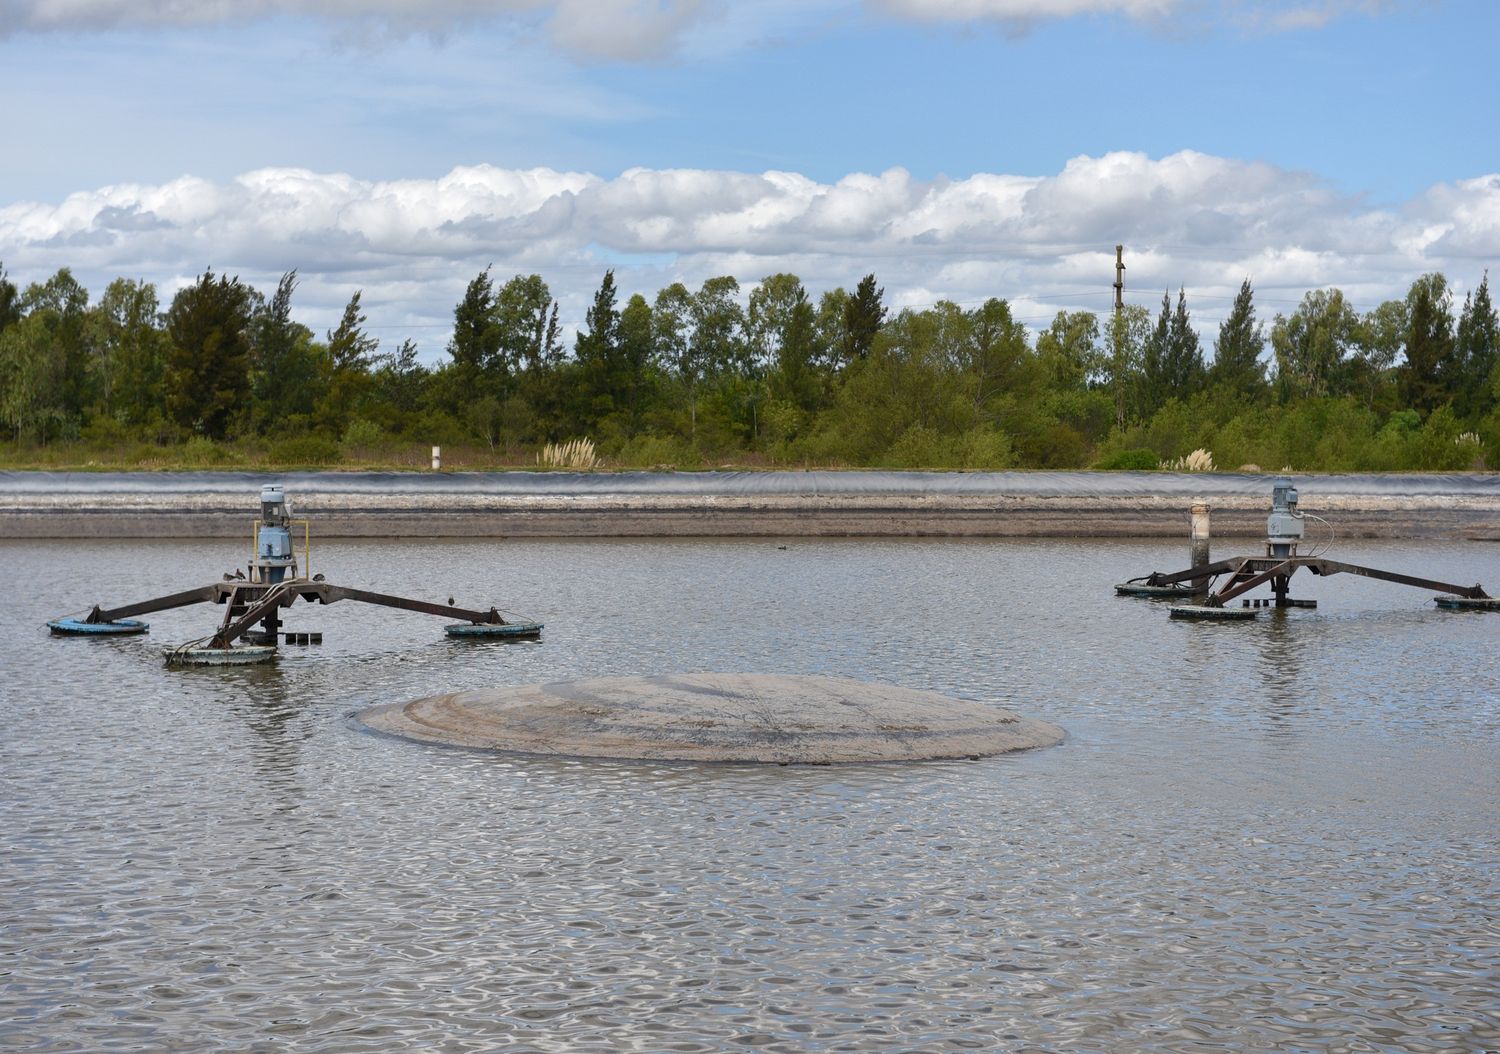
(444, 516)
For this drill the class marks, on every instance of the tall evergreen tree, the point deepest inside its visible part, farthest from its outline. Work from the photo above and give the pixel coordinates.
(864, 314)
(10, 301)
(1429, 373)
(597, 352)
(1238, 348)
(1172, 366)
(399, 380)
(1477, 351)
(475, 344)
(284, 378)
(636, 366)
(208, 364)
(351, 352)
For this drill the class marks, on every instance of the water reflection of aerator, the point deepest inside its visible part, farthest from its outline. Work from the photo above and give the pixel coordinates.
(276, 579)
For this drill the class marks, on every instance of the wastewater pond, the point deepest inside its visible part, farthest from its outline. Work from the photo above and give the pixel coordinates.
(1277, 835)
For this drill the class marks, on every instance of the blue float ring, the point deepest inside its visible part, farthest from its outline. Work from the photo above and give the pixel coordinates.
(72, 627)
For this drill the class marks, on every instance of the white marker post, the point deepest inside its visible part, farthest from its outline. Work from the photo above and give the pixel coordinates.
(1198, 549)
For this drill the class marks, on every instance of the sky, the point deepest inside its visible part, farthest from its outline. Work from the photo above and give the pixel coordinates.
(957, 149)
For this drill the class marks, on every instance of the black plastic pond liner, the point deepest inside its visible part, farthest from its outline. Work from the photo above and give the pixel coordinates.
(563, 484)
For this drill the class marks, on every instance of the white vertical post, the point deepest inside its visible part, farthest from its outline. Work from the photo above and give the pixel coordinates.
(1198, 547)
(437, 458)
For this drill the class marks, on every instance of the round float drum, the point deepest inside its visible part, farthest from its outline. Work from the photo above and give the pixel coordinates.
(495, 630)
(1458, 603)
(1140, 589)
(72, 627)
(243, 655)
(1211, 614)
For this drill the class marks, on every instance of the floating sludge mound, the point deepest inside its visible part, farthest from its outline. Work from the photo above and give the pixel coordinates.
(716, 717)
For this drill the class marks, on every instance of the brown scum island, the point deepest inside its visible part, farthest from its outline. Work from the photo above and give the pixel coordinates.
(739, 504)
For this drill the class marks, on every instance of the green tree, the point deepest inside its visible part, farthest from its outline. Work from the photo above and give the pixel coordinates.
(1173, 363)
(1378, 340)
(10, 301)
(1429, 375)
(781, 325)
(1238, 348)
(526, 317)
(478, 367)
(286, 377)
(64, 303)
(596, 350)
(399, 382)
(718, 322)
(864, 314)
(671, 321)
(636, 363)
(1311, 343)
(1477, 351)
(351, 352)
(31, 379)
(988, 349)
(130, 353)
(1126, 337)
(1068, 350)
(208, 357)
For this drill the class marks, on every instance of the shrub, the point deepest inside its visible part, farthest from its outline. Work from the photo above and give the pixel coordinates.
(1137, 460)
(304, 450)
(201, 450)
(362, 434)
(652, 451)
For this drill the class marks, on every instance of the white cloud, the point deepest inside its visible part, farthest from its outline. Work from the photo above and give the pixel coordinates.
(631, 30)
(1044, 242)
(645, 30)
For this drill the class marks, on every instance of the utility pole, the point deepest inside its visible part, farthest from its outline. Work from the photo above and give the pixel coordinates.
(1119, 278)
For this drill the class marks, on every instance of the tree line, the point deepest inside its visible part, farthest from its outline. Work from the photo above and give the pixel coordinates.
(768, 375)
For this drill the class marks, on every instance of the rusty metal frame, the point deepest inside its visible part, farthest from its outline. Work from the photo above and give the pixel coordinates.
(1247, 572)
(262, 600)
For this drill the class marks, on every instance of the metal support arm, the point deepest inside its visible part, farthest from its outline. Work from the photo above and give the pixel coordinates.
(329, 594)
(1158, 578)
(1334, 567)
(202, 595)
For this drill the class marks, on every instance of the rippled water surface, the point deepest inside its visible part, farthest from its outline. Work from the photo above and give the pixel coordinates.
(1280, 835)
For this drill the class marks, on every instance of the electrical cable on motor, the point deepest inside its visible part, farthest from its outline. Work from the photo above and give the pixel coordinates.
(1332, 534)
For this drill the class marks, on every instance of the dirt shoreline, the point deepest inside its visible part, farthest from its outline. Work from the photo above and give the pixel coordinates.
(344, 515)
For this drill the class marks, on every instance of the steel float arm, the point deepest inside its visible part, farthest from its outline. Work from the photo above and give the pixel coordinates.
(1334, 567)
(202, 595)
(1157, 578)
(328, 593)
